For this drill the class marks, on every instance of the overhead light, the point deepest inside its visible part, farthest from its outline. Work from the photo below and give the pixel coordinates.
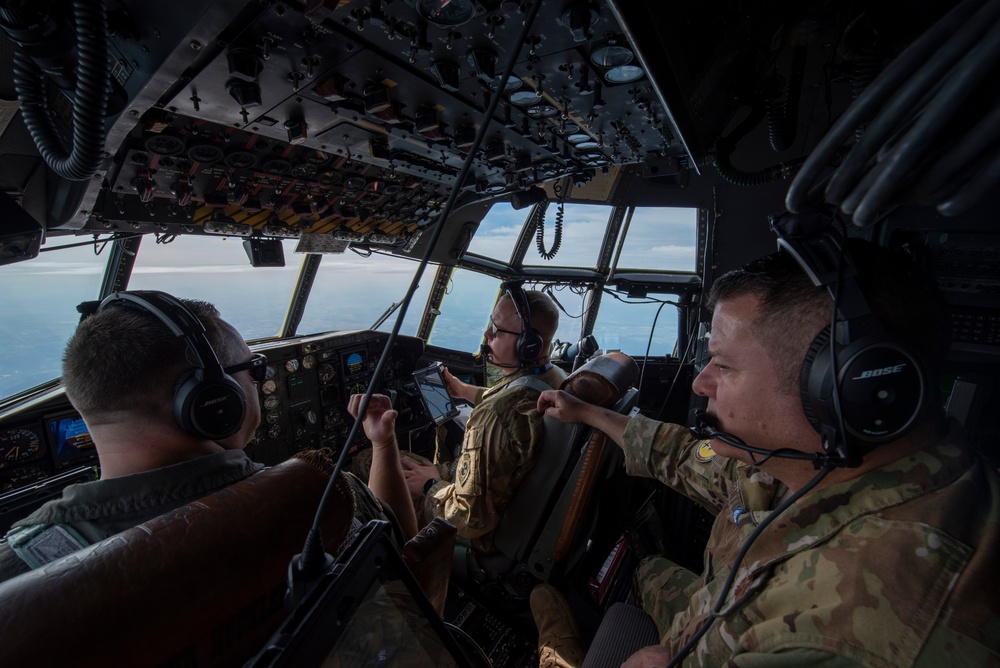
(446, 13)
(524, 98)
(612, 55)
(624, 74)
(616, 61)
(542, 111)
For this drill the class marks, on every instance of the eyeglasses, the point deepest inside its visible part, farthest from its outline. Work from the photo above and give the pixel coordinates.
(257, 366)
(494, 329)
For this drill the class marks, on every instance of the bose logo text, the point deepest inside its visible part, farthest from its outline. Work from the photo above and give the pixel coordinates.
(884, 371)
(212, 402)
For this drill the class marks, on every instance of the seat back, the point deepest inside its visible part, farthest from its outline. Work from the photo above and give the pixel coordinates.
(203, 585)
(604, 381)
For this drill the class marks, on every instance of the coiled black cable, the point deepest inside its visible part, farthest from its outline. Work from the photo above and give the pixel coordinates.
(725, 146)
(556, 233)
(83, 158)
(783, 111)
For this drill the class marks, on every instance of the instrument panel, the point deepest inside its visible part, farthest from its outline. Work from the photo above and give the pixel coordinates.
(309, 382)
(48, 444)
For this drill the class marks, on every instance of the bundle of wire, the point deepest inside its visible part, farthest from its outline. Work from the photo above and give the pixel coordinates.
(933, 126)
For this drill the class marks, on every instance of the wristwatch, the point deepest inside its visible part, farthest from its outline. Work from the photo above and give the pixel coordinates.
(430, 483)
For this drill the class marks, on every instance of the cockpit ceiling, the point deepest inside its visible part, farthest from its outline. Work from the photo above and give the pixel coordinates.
(355, 118)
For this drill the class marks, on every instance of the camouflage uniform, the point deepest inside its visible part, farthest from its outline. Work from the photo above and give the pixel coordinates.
(893, 568)
(501, 443)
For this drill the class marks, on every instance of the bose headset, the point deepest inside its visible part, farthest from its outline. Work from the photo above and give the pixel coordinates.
(208, 402)
(529, 342)
(859, 386)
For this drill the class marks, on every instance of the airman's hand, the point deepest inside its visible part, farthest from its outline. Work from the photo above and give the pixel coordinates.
(380, 419)
(562, 406)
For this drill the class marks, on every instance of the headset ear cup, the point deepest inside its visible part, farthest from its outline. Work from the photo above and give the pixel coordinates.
(812, 378)
(212, 408)
(529, 345)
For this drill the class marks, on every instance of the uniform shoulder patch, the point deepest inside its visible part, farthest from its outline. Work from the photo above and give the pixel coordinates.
(704, 452)
(464, 468)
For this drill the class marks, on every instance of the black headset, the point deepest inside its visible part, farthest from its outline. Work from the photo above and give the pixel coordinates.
(529, 342)
(859, 385)
(208, 402)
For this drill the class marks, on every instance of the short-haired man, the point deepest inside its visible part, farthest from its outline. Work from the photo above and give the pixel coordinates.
(504, 430)
(889, 563)
(120, 371)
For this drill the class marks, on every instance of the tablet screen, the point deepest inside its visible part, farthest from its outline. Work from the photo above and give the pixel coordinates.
(430, 382)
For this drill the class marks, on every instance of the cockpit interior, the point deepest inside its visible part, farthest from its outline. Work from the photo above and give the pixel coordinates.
(351, 181)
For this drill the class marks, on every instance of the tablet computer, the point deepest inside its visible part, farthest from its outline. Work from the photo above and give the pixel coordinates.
(434, 394)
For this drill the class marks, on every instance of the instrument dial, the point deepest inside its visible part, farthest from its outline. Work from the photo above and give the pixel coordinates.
(292, 365)
(18, 445)
(327, 373)
(272, 402)
(268, 387)
(309, 361)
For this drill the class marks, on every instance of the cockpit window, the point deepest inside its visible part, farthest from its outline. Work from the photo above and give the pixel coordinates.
(583, 228)
(625, 324)
(217, 270)
(353, 292)
(660, 239)
(498, 232)
(39, 300)
(465, 310)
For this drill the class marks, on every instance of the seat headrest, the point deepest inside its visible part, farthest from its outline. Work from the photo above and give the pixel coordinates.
(602, 380)
(202, 585)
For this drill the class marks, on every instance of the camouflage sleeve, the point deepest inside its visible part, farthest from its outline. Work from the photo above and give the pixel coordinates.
(366, 505)
(498, 450)
(792, 658)
(668, 453)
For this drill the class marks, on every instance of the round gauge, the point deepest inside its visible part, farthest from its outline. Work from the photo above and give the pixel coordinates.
(524, 98)
(354, 183)
(206, 154)
(328, 178)
(304, 170)
(274, 431)
(612, 56)
(624, 74)
(327, 373)
(309, 362)
(446, 13)
(292, 365)
(277, 166)
(318, 157)
(241, 160)
(18, 445)
(271, 403)
(542, 111)
(393, 189)
(268, 387)
(273, 418)
(164, 144)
